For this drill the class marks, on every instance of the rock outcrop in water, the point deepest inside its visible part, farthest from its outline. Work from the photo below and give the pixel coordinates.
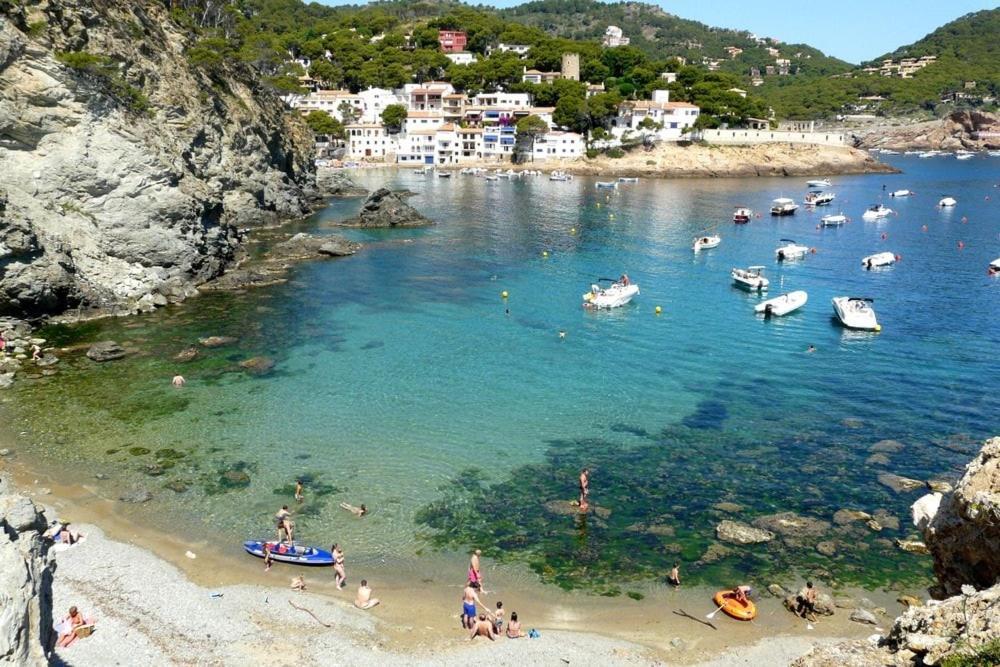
(26, 634)
(127, 170)
(970, 130)
(385, 208)
(962, 532)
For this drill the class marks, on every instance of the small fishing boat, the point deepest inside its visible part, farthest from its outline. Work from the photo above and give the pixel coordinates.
(422, 171)
(782, 305)
(742, 215)
(819, 183)
(833, 220)
(444, 174)
(901, 193)
(491, 178)
(289, 552)
(560, 176)
(741, 611)
(947, 202)
(819, 198)
(783, 206)
(706, 242)
(617, 294)
(791, 250)
(856, 313)
(877, 212)
(750, 278)
(605, 185)
(628, 179)
(878, 259)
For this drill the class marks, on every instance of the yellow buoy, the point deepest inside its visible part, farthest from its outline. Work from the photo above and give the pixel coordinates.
(878, 327)
(572, 230)
(503, 294)
(598, 204)
(545, 253)
(658, 310)
(611, 216)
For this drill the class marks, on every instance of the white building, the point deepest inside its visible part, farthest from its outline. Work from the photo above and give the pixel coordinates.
(369, 141)
(558, 145)
(505, 100)
(613, 37)
(427, 96)
(519, 49)
(329, 101)
(669, 77)
(461, 57)
(422, 120)
(674, 117)
(374, 101)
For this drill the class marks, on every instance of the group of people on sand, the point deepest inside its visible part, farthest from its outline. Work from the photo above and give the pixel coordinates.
(486, 623)
(286, 536)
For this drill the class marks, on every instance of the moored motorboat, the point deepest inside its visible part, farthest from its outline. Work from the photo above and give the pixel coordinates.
(819, 198)
(750, 278)
(741, 610)
(856, 313)
(628, 179)
(994, 267)
(833, 220)
(706, 242)
(444, 174)
(783, 206)
(618, 293)
(878, 259)
(790, 250)
(742, 215)
(560, 176)
(901, 193)
(819, 183)
(606, 184)
(782, 305)
(877, 212)
(289, 552)
(947, 202)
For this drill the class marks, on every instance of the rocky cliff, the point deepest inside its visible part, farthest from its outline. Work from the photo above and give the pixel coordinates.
(26, 634)
(962, 130)
(127, 172)
(962, 531)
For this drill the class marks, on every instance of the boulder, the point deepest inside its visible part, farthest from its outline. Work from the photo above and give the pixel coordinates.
(136, 496)
(306, 246)
(827, 548)
(186, 355)
(844, 517)
(886, 447)
(6, 380)
(47, 360)
(384, 208)
(106, 350)
(925, 509)
(909, 601)
(863, 616)
(217, 341)
(258, 365)
(795, 530)
(899, 484)
(20, 513)
(912, 546)
(736, 532)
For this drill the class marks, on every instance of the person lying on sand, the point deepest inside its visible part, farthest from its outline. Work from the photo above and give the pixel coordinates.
(356, 511)
(514, 627)
(68, 628)
(483, 628)
(298, 583)
(365, 599)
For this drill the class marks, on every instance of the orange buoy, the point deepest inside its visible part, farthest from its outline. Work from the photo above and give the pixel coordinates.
(899, 258)
(741, 611)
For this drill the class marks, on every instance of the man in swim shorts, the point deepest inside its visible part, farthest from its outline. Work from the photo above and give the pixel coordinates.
(475, 576)
(470, 598)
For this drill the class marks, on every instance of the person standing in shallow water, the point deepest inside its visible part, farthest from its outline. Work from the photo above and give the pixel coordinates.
(584, 486)
(475, 575)
(298, 490)
(338, 566)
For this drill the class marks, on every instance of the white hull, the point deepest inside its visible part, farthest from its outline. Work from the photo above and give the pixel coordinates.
(782, 305)
(855, 313)
(750, 279)
(878, 259)
(833, 220)
(821, 183)
(706, 242)
(947, 202)
(791, 251)
(877, 213)
(611, 297)
(610, 185)
(902, 193)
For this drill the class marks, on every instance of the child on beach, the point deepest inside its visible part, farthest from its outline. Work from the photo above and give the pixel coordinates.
(674, 578)
(498, 618)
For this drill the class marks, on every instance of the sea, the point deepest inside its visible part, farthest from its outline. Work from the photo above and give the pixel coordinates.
(404, 379)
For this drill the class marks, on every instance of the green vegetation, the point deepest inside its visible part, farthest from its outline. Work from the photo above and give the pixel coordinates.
(104, 72)
(393, 117)
(987, 654)
(36, 28)
(322, 123)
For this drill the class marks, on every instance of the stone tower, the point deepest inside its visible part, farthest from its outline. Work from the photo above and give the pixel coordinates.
(571, 66)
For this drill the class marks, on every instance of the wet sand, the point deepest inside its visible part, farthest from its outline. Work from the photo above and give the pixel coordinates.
(419, 613)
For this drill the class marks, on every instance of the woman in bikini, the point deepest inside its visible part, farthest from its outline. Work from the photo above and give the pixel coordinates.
(338, 566)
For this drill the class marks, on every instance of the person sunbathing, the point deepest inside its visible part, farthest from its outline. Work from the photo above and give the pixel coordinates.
(483, 628)
(514, 627)
(356, 511)
(68, 627)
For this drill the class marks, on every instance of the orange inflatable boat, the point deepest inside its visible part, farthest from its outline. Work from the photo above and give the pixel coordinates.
(741, 611)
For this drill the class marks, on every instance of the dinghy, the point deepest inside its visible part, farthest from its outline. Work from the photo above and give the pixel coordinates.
(782, 305)
(833, 220)
(741, 611)
(947, 202)
(856, 313)
(706, 242)
(820, 183)
(742, 215)
(877, 212)
(289, 552)
(901, 193)
(791, 250)
(606, 184)
(628, 179)
(878, 259)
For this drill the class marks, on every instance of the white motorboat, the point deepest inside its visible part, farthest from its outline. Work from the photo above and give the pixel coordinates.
(947, 202)
(628, 179)
(791, 250)
(856, 313)
(706, 242)
(878, 259)
(901, 193)
(742, 215)
(491, 178)
(877, 212)
(423, 170)
(618, 293)
(782, 305)
(560, 176)
(888, 151)
(783, 206)
(833, 220)
(444, 174)
(819, 198)
(994, 267)
(751, 278)
(819, 183)
(606, 184)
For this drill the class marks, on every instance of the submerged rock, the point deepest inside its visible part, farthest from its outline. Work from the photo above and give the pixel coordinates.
(258, 365)
(912, 546)
(886, 447)
(136, 496)
(828, 548)
(899, 484)
(715, 552)
(217, 341)
(844, 517)
(736, 532)
(188, 354)
(384, 208)
(731, 508)
(307, 246)
(107, 350)
(793, 527)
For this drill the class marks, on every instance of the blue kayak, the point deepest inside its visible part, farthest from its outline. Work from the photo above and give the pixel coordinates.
(286, 552)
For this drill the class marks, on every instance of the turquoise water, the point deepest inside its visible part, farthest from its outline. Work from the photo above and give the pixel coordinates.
(401, 367)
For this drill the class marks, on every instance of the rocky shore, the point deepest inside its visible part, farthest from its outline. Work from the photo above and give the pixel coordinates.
(961, 130)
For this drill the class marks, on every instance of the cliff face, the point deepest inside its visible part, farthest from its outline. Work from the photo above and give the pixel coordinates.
(969, 130)
(124, 186)
(26, 634)
(962, 531)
